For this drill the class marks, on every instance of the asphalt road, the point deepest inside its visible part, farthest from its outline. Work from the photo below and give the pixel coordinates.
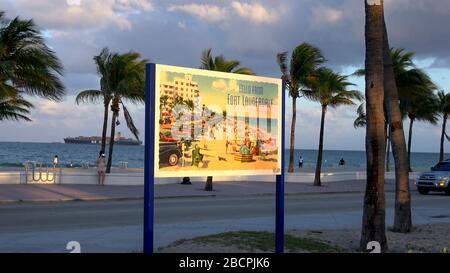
(33, 227)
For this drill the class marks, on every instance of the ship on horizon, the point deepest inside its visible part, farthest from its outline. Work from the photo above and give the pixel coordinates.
(119, 140)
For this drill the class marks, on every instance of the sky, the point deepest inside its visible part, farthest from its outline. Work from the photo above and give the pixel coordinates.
(175, 32)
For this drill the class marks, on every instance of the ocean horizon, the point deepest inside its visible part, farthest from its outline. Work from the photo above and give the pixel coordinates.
(15, 154)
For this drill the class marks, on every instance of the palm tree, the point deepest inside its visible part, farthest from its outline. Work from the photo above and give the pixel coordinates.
(191, 107)
(305, 60)
(330, 90)
(419, 102)
(444, 110)
(374, 212)
(425, 110)
(220, 63)
(102, 62)
(129, 84)
(27, 67)
(410, 86)
(396, 139)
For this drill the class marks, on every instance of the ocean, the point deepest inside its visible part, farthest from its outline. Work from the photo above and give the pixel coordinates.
(14, 154)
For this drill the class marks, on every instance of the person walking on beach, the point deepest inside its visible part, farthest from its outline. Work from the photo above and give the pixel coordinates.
(300, 162)
(101, 168)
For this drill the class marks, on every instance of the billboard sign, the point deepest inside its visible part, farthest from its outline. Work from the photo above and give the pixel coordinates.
(211, 123)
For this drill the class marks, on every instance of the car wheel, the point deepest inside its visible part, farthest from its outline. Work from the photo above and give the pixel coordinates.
(173, 159)
(423, 191)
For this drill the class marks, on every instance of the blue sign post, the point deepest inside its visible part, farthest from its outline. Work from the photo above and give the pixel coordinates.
(149, 167)
(279, 207)
(149, 171)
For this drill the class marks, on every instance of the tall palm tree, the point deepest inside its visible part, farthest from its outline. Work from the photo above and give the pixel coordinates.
(423, 110)
(102, 62)
(305, 60)
(419, 104)
(412, 85)
(396, 139)
(220, 63)
(374, 211)
(330, 90)
(443, 104)
(27, 67)
(128, 84)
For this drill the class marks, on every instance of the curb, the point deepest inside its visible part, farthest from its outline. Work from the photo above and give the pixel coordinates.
(94, 199)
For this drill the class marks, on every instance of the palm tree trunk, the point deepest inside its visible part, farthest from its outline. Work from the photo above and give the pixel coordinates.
(441, 150)
(317, 181)
(105, 124)
(402, 216)
(111, 141)
(374, 213)
(291, 151)
(411, 122)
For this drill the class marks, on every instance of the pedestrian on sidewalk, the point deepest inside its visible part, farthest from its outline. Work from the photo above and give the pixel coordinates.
(101, 169)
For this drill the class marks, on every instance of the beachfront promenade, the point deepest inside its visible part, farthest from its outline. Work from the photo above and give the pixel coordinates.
(54, 193)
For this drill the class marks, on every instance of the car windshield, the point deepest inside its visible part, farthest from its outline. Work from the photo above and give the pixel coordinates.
(442, 166)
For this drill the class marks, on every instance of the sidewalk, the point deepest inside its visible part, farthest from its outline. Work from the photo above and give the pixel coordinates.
(56, 193)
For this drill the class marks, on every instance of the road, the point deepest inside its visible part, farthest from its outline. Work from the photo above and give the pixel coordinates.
(116, 226)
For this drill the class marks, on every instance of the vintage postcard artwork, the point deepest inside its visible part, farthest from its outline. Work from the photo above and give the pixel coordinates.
(213, 123)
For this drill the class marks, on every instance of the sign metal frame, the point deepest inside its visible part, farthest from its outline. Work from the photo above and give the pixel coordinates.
(150, 158)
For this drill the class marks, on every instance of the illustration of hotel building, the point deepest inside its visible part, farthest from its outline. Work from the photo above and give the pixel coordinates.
(185, 88)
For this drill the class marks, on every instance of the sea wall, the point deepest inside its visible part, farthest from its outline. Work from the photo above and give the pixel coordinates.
(82, 176)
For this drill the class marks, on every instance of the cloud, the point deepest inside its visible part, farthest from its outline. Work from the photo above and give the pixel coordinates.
(82, 14)
(256, 12)
(210, 13)
(324, 15)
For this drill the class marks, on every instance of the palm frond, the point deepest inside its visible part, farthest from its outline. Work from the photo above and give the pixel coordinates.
(359, 73)
(220, 63)
(28, 63)
(361, 119)
(89, 96)
(130, 122)
(446, 136)
(207, 61)
(282, 63)
(14, 108)
(244, 71)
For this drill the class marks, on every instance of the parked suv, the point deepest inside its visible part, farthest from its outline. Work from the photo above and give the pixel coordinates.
(436, 180)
